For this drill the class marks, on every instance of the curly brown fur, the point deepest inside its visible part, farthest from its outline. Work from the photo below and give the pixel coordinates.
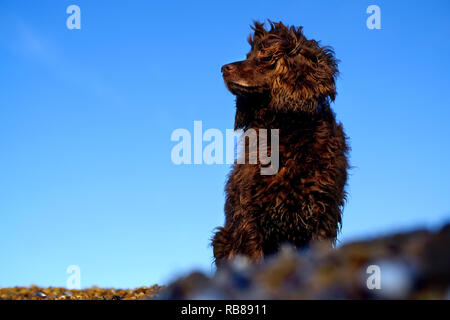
(287, 82)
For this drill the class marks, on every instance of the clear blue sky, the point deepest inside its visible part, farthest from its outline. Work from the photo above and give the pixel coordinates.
(86, 117)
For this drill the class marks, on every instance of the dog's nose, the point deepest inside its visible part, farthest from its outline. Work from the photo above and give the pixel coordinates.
(227, 68)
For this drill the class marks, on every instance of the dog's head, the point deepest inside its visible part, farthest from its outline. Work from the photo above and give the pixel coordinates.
(295, 73)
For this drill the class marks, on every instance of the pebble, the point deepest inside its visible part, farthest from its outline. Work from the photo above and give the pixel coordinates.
(39, 295)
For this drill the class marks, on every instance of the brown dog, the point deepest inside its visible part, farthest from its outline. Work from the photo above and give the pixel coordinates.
(287, 82)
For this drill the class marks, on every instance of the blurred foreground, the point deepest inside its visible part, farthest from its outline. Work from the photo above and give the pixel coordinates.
(414, 265)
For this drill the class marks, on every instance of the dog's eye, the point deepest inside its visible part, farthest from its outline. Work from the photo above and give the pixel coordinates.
(261, 52)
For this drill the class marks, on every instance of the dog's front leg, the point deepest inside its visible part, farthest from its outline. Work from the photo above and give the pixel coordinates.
(240, 237)
(246, 238)
(222, 246)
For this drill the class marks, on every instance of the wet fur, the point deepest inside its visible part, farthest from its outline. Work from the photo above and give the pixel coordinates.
(287, 82)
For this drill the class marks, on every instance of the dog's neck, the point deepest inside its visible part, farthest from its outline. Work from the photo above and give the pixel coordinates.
(256, 112)
(247, 108)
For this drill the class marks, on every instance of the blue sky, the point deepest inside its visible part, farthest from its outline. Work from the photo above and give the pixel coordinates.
(86, 117)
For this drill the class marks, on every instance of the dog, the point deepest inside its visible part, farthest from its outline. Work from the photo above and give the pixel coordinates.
(287, 82)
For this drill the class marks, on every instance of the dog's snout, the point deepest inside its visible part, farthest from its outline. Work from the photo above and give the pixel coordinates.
(227, 68)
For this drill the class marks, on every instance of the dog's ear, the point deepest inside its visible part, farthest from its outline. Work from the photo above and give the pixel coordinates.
(306, 75)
